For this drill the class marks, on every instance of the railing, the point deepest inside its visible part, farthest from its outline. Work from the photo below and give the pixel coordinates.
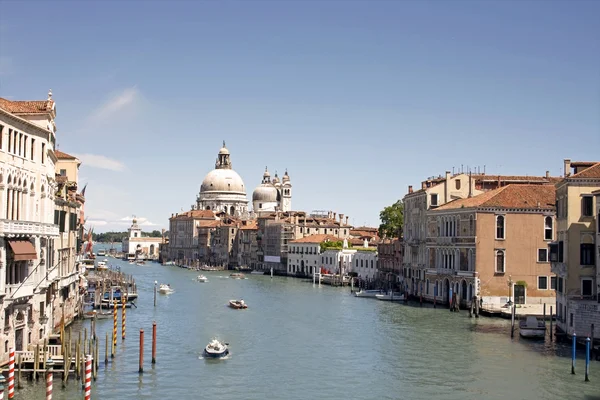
(27, 228)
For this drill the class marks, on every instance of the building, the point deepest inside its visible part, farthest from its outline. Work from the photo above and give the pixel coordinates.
(338, 260)
(135, 245)
(435, 192)
(189, 236)
(223, 189)
(493, 245)
(67, 216)
(244, 252)
(364, 262)
(304, 256)
(574, 255)
(389, 264)
(274, 195)
(27, 232)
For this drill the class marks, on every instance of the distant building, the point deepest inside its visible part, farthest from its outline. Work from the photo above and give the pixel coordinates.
(390, 260)
(304, 255)
(273, 195)
(141, 247)
(574, 256)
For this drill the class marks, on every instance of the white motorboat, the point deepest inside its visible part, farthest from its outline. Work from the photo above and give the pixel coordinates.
(368, 293)
(202, 278)
(390, 296)
(216, 349)
(532, 328)
(101, 265)
(165, 289)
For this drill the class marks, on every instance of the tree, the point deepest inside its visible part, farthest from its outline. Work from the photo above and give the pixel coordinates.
(392, 220)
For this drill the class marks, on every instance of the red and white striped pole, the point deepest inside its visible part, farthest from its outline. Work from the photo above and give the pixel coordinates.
(88, 377)
(11, 373)
(49, 373)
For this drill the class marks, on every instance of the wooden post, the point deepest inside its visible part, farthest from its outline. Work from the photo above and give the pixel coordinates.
(141, 370)
(512, 321)
(551, 316)
(123, 317)
(36, 361)
(544, 315)
(96, 355)
(573, 354)
(476, 299)
(471, 309)
(587, 359)
(154, 342)
(19, 383)
(106, 351)
(592, 340)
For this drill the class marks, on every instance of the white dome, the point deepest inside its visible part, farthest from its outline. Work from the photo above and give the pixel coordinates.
(223, 180)
(265, 193)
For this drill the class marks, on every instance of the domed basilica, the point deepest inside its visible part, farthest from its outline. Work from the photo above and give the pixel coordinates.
(223, 190)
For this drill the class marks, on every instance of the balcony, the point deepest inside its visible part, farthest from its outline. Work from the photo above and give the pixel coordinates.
(14, 292)
(9, 227)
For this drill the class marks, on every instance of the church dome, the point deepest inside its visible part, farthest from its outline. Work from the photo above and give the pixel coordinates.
(223, 180)
(265, 193)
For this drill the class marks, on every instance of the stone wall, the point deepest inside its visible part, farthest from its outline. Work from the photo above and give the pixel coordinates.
(585, 313)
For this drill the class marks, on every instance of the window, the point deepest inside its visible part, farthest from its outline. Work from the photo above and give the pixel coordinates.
(1, 135)
(553, 282)
(586, 287)
(434, 199)
(32, 148)
(63, 172)
(542, 255)
(43, 153)
(500, 227)
(587, 203)
(548, 228)
(586, 254)
(543, 282)
(560, 285)
(500, 255)
(259, 205)
(9, 139)
(457, 184)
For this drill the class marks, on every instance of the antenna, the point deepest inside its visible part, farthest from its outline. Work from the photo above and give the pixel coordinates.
(484, 169)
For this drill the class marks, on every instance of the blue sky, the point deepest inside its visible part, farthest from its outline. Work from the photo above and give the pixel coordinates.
(356, 99)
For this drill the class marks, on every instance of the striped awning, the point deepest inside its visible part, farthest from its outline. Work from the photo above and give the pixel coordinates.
(23, 250)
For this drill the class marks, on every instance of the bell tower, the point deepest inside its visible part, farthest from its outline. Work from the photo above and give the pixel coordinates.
(134, 230)
(286, 192)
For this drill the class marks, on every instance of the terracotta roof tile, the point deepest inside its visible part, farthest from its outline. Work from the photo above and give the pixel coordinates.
(249, 225)
(26, 107)
(205, 214)
(320, 238)
(510, 196)
(590, 172)
(63, 156)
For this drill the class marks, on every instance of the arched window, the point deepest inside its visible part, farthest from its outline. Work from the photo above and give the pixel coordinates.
(548, 228)
(500, 261)
(500, 227)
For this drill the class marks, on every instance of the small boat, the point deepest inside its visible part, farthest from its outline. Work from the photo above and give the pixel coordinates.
(140, 262)
(390, 296)
(368, 293)
(238, 304)
(101, 266)
(202, 278)
(216, 349)
(237, 275)
(165, 289)
(99, 315)
(532, 328)
(101, 253)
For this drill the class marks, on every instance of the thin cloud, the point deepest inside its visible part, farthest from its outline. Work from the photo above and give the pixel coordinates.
(124, 100)
(100, 161)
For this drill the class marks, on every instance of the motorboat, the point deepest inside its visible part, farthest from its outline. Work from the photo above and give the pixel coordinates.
(238, 304)
(216, 349)
(368, 293)
(390, 296)
(101, 253)
(532, 328)
(165, 288)
(98, 315)
(237, 275)
(202, 278)
(101, 266)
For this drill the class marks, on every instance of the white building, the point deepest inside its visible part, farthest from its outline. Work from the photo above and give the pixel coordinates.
(364, 262)
(27, 231)
(137, 246)
(304, 255)
(223, 189)
(336, 260)
(272, 195)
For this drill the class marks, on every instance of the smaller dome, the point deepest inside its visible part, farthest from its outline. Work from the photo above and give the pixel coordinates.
(223, 151)
(265, 193)
(275, 178)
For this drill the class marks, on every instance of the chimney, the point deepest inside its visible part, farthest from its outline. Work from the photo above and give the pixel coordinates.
(410, 189)
(347, 219)
(334, 214)
(424, 185)
(567, 167)
(341, 218)
(447, 188)
(547, 174)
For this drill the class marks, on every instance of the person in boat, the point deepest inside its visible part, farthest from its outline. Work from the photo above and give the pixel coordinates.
(242, 302)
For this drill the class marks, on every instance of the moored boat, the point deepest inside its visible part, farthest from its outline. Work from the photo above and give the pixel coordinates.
(368, 293)
(216, 349)
(238, 304)
(532, 328)
(237, 275)
(202, 278)
(390, 296)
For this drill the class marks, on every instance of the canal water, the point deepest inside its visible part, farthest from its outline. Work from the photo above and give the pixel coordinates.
(300, 341)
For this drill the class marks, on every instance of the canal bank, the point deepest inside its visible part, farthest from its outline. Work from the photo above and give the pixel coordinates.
(299, 341)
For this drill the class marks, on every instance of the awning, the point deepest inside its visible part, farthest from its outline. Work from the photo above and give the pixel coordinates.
(23, 250)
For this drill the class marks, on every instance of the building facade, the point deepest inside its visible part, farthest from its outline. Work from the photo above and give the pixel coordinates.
(364, 263)
(304, 255)
(189, 236)
(574, 255)
(494, 246)
(27, 229)
(389, 265)
(137, 246)
(223, 189)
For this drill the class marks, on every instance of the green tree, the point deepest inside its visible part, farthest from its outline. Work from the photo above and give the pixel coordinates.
(392, 220)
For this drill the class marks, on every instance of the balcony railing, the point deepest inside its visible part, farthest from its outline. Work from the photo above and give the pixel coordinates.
(27, 228)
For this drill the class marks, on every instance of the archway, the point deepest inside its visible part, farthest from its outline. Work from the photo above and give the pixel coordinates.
(208, 207)
(463, 292)
(446, 293)
(151, 249)
(232, 210)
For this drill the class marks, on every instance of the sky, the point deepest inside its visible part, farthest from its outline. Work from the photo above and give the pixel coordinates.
(356, 99)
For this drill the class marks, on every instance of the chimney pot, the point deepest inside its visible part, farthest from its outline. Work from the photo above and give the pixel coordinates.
(410, 189)
(347, 219)
(567, 167)
(334, 214)
(547, 174)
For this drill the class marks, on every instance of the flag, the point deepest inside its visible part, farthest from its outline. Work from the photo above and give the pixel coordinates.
(83, 190)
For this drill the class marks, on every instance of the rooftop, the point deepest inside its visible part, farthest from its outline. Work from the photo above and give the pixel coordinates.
(27, 107)
(63, 156)
(539, 197)
(592, 170)
(316, 239)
